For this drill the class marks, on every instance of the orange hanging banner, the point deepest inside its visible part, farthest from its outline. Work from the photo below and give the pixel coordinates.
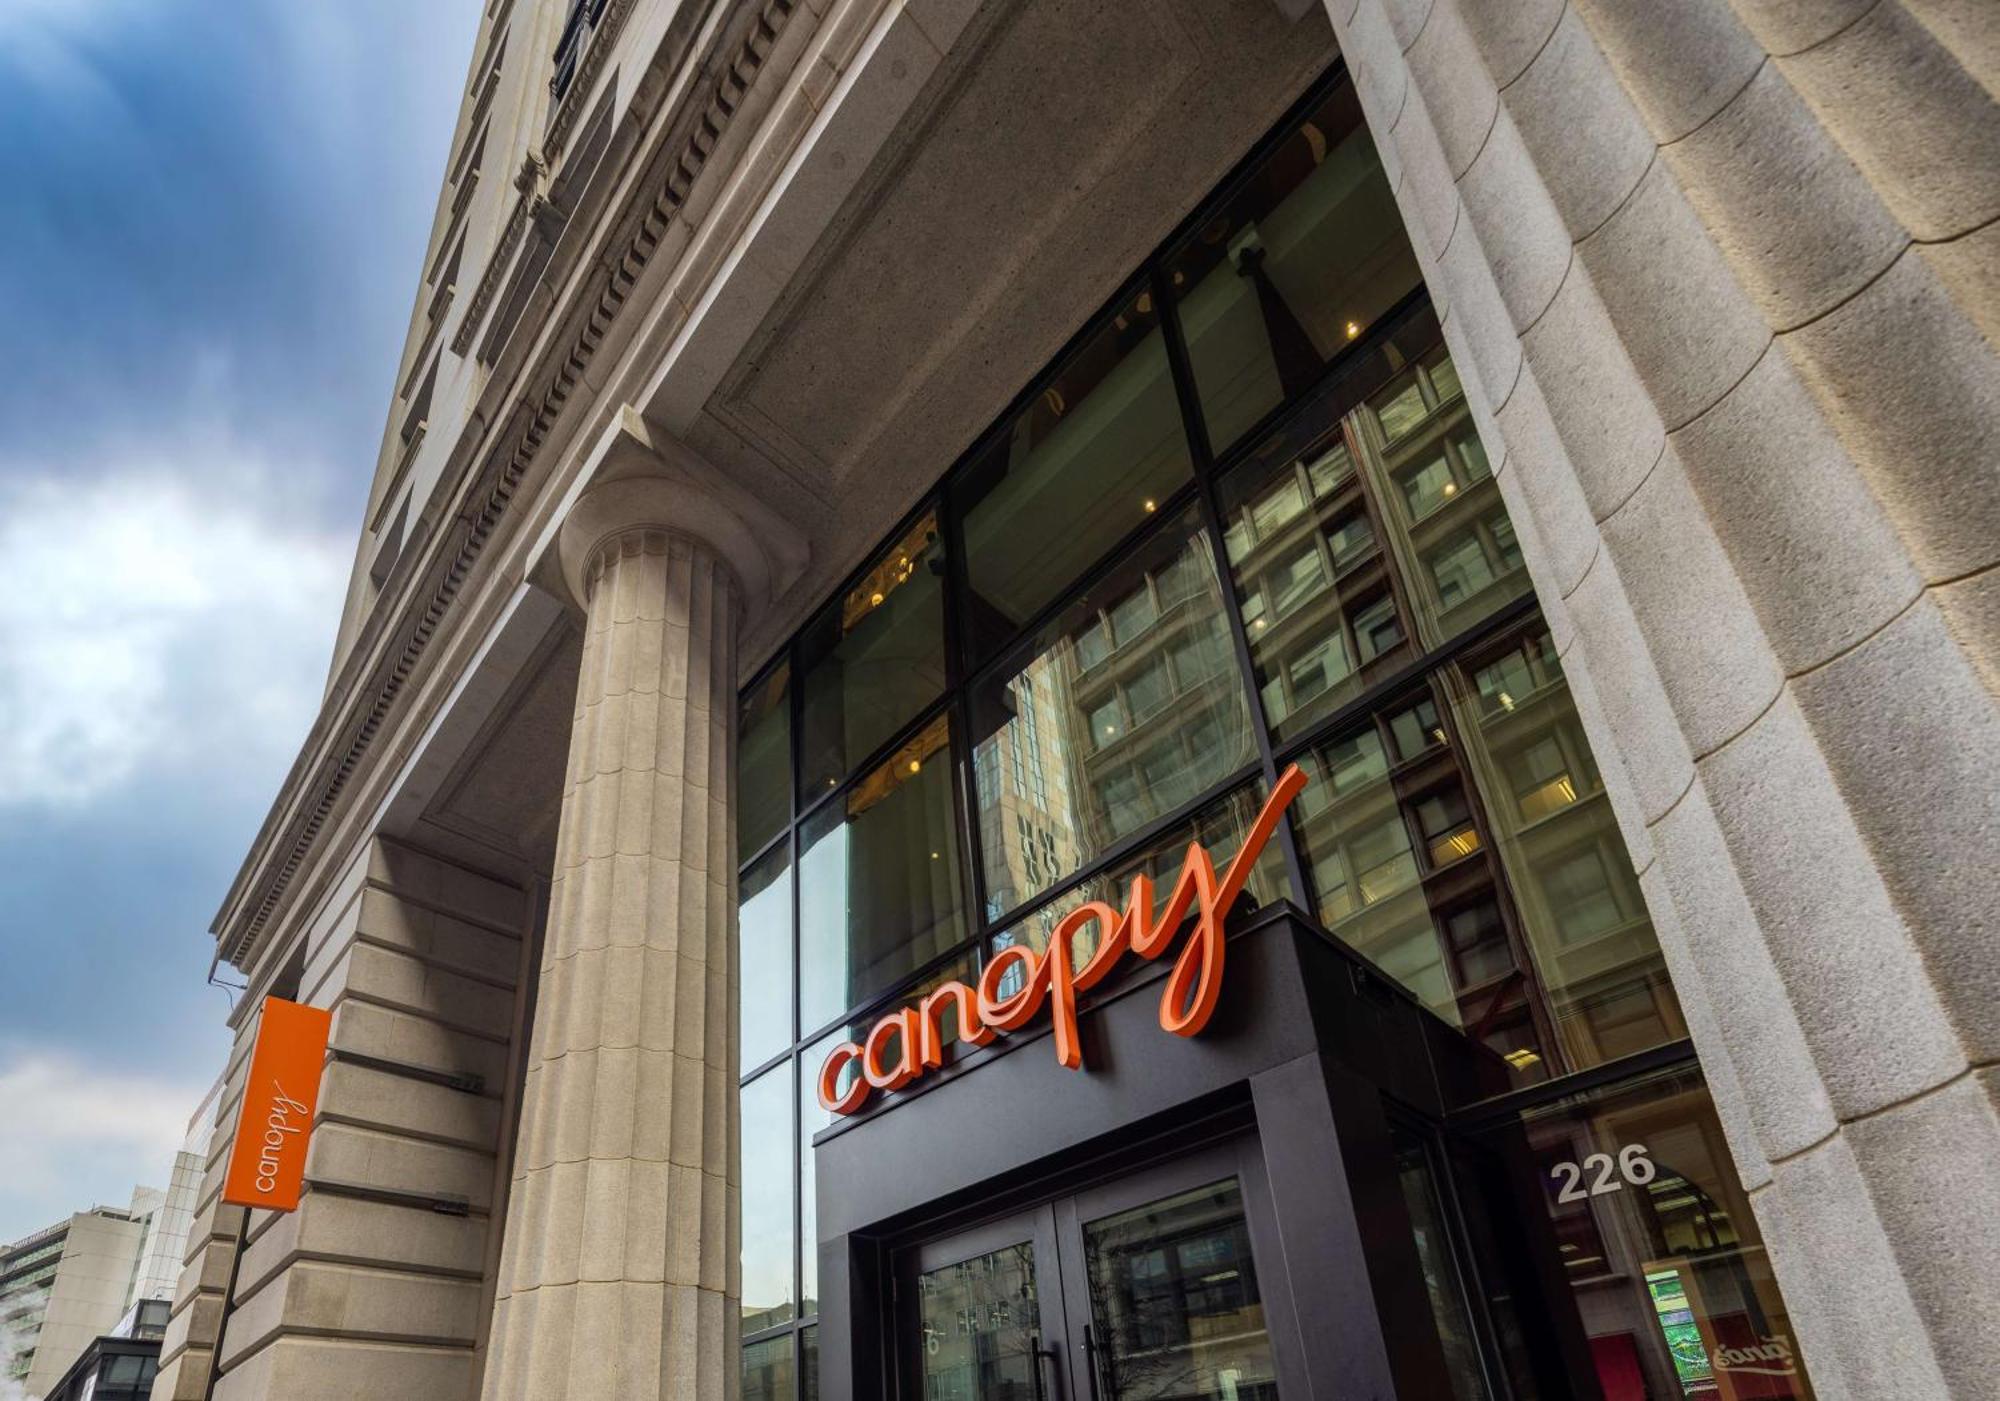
(267, 1163)
(1186, 1003)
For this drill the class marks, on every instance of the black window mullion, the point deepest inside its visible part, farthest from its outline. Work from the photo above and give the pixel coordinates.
(1211, 516)
(958, 662)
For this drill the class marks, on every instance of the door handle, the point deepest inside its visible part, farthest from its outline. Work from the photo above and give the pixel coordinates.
(1090, 1362)
(1038, 1355)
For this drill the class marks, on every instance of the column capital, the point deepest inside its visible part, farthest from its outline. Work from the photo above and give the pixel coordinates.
(637, 477)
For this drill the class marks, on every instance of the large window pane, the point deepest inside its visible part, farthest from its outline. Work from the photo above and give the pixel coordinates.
(1076, 747)
(767, 1199)
(1299, 262)
(1079, 468)
(764, 924)
(1399, 871)
(763, 761)
(767, 1370)
(1311, 581)
(1442, 516)
(1594, 949)
(1219, 828)
(873, 659)
(879, 880)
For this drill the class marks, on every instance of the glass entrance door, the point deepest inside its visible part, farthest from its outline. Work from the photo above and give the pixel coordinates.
(1145, 1289)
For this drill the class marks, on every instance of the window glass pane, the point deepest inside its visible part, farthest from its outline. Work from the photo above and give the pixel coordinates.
(1582, 917)
(1082, 466)
(873, 658)
(1458, 1345)
(1082, 757)
(767, 1199)
(1300, 261)
(1314, 592)
(764, 922)
(1398, 871)
(1667, 1275)
(1174, 1300)
(767, 1370)
(980, 1325)
(763, 761)
(1218, 827)
(809, 1364)
(878, 880)
(1443, 520)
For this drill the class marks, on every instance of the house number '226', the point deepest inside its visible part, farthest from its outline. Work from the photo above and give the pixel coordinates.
(1633, 1164)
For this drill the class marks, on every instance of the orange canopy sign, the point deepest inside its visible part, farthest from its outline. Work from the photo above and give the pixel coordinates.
(905, 1044)
(267, 1164)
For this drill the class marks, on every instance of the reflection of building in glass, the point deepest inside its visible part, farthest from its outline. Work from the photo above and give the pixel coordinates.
(1127, 708)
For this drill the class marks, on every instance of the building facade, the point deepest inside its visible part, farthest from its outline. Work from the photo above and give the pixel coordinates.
(870, 478)
(64, 1287)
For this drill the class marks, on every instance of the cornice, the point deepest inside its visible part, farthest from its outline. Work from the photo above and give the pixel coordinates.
(397, 641)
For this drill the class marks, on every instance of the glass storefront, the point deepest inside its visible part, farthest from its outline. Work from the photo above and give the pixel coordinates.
(1243, 521)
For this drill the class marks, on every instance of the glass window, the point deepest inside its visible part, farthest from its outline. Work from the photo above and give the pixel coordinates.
(1668, 1278)
(1299, 260)
(767, 1199)
(808, 1364)
(764, 924)
(1174, 1300)
(879, 891)
(1315, 603)
(1447, 529)
(1396, 866)
(980, 1325)
(763, 761)
(1115, 748)
(1458, 1345)
(1219, 827)
(1082, 466)
(1597, 958)
(873, 659)
(767, 1370)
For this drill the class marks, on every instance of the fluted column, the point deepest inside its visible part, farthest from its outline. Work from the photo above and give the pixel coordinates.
(1720, 280)
(619, 1276)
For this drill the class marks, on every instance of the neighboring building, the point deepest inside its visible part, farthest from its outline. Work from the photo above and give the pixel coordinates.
(867, 477)
(62, 1287)
(120, 1365)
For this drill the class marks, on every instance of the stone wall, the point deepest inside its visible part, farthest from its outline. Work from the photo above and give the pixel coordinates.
(1725, 279)
(379, 1283)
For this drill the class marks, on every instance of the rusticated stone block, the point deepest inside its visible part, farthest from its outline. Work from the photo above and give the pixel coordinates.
(1913, 737)
(1689, 329)
(1866, 1336)
(1601, 411)
(1782, 1089)
(1681, 62)
(1819, 560)
(1924, 130)
(1526, 246)
(1588, 141)
(1463, 103)
(1510, 33)
(1796, 219)
(1854, 978)
(1914, 391)
(1929, 1167)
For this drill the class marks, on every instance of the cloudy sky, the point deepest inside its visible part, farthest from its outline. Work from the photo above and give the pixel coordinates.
(211, 231)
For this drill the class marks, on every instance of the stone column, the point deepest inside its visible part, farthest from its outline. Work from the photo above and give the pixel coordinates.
(619, 1275)
(1723, 281)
